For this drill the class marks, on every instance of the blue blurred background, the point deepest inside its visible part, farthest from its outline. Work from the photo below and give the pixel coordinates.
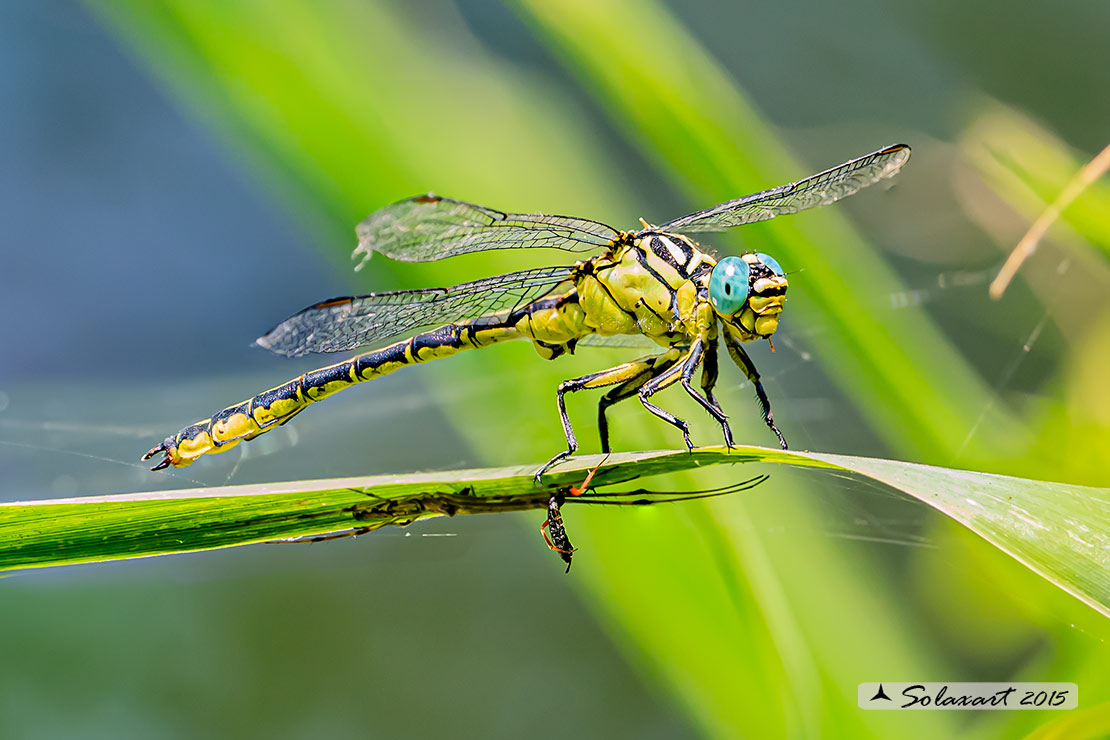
(179, 177)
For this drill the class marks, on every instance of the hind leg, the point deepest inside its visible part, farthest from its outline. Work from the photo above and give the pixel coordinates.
(623, 392)
(627, 373)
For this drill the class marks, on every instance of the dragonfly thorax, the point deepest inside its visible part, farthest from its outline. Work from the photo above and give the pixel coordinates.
(678, 251)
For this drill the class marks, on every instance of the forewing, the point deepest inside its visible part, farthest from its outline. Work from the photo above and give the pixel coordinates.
(429, 227)
(341, 324)
(817, 190)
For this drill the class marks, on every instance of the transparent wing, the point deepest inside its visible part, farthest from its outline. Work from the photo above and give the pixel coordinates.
(620, 341)
(817, 190)
(428, 227)
(341, 324)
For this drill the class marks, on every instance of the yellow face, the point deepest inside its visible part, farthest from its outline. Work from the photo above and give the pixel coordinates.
(748, 293)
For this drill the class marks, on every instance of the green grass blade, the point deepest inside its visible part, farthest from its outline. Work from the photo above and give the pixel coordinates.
(91, 529)
(1060, 531)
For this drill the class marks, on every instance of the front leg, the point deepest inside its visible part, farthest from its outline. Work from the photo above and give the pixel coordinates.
(629, 389)
(709, 372)
(740, 357)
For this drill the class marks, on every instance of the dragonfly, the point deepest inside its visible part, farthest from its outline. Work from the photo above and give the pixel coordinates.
(655, 283)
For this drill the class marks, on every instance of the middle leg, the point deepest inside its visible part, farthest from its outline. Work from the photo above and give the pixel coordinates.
(666, 379)
(706, 352)
(684, 372)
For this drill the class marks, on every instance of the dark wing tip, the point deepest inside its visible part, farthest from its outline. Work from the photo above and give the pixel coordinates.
(329, 303)
(900, 152)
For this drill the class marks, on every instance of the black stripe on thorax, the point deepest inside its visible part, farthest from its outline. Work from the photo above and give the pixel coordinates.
(659, 245)
(641, 257)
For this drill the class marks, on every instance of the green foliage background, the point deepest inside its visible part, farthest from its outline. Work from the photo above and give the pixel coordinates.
(752, 617)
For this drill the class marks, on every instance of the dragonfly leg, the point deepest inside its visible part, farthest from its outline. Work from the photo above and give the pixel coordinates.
(709, 372)
(705, 352)
(740, 357)
(624, 373)
(668, 378)
(626, 390)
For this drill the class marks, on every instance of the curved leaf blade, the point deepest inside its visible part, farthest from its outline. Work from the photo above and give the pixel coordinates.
(1058, 530)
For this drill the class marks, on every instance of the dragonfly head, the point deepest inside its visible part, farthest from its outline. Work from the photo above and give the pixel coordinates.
(748, 293)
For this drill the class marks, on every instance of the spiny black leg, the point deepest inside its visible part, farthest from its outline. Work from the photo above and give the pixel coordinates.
(740, 357)
(615, 396)
(696, 356)
(572, 443)
(626, 390)
(656, 385)
(670, 419)
(709, 382)
(768, 417)
(709, 371)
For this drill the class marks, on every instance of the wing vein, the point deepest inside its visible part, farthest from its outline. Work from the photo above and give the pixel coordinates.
(816, 190)
(429, 227)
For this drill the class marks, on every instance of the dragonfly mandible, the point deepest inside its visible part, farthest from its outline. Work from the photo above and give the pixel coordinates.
(655, 282)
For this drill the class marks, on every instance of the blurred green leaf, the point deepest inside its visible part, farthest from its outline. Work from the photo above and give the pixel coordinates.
(1087, 723)
(343, 107)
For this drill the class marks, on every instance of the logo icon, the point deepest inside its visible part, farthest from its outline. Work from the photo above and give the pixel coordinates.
(880, 694)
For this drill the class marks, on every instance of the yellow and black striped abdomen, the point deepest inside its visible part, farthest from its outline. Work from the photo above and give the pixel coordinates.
(553, 323)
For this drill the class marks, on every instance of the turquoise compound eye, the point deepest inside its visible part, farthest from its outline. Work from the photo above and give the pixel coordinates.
(728, 285)
(771, 263)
